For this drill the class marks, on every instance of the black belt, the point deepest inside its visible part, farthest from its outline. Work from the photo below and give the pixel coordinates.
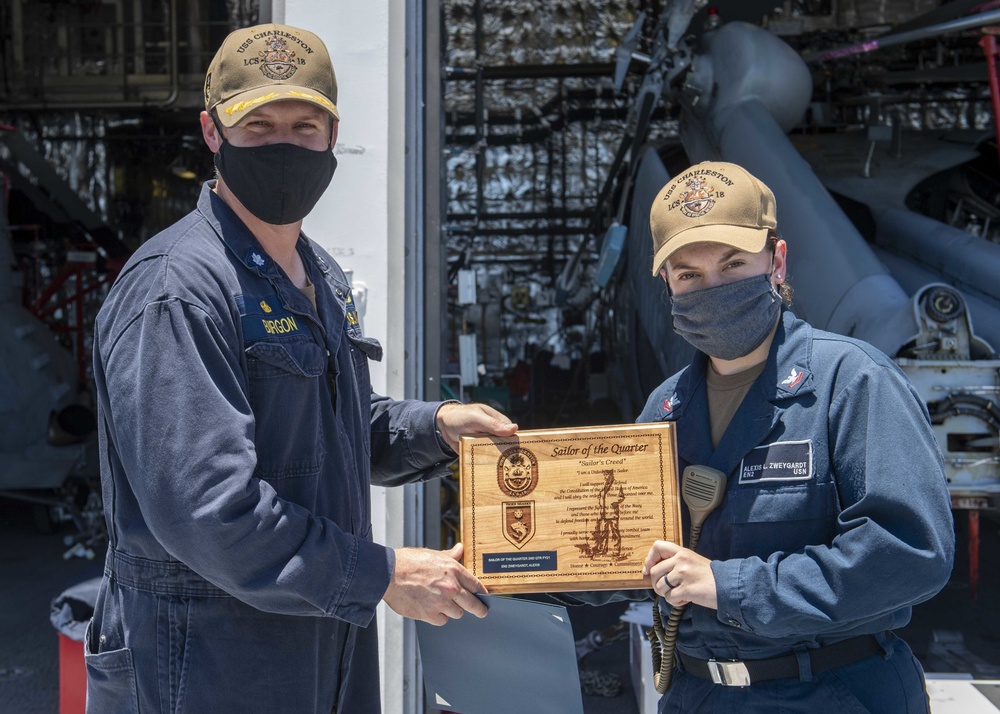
(741, 673)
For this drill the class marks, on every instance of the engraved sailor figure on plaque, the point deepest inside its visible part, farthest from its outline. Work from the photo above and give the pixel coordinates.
(607, 535)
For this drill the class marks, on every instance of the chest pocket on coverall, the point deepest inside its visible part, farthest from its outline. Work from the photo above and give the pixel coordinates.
(285, 383)
(769, 517)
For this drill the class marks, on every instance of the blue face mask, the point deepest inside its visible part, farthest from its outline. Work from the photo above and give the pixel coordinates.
(727, 321)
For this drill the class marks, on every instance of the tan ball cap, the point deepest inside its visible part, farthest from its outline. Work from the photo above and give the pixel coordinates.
(269, 63)
(711, 202)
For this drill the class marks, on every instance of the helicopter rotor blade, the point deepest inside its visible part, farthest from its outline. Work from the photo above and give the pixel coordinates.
(881, 42)
(943, 13)
(625, 52)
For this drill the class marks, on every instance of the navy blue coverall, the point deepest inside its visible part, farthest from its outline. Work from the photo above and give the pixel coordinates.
(239, 437)
(835, 522)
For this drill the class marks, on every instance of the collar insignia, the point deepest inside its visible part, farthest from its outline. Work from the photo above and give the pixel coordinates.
(795, 379)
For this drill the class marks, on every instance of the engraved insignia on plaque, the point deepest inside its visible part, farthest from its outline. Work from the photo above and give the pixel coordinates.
(517, 472)
(518, 522)
(562, 510)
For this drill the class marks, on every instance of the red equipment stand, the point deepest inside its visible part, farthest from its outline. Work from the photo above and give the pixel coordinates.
(72, 677)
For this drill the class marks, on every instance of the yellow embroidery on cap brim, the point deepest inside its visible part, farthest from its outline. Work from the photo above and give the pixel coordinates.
(243, 106)
(314, 97)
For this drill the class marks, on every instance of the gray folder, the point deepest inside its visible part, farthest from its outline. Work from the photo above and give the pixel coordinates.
(520, 657)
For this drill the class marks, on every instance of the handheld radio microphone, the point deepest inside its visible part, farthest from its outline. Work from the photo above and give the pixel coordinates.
(702, 489)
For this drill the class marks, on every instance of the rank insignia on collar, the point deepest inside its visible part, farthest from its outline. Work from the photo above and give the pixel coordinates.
(352, 322)
(256, 259)
(795, 379)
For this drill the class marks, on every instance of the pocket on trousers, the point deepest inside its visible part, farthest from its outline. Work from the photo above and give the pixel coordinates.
(110, 680)
(844, 696)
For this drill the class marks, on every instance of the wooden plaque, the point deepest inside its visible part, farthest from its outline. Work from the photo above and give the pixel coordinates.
(555, 510)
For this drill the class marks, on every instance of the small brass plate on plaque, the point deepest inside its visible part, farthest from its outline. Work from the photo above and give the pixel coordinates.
(555, 510)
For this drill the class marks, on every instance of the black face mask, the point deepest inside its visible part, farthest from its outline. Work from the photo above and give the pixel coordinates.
(278, 183)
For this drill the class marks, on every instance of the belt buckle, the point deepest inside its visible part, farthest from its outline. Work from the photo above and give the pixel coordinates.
(729, 673)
